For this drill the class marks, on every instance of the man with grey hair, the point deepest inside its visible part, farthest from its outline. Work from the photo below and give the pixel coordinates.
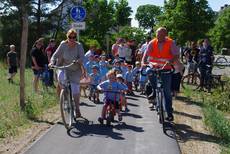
(12, 62)
(162, 52)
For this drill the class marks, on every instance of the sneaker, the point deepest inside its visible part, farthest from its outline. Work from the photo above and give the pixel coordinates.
(100, 120)
(119, 117)
(89, 98)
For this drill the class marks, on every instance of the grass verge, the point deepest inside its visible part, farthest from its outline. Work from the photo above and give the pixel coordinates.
(214, 105)
(11, 117)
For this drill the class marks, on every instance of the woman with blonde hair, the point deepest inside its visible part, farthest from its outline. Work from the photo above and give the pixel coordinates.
(68, 51)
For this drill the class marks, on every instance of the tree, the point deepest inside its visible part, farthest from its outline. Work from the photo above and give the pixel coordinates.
(220, 33)
(147, 15)
(122, 14)
(24, 42)
(129, 33)
(187, 20)
(99, 19)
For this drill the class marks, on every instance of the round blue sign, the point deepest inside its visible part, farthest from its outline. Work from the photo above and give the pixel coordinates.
(78, 13)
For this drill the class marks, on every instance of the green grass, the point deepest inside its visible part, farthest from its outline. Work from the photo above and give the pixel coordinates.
(11, 117)
(214, 105)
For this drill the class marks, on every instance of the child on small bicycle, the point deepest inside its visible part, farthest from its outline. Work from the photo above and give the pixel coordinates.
(111, 89)
(95, 80)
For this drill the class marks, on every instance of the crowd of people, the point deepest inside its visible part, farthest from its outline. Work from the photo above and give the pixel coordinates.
(200, 56)
(125, 67)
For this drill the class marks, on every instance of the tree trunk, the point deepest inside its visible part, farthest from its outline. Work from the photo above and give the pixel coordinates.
(24, 39)
(39, 19)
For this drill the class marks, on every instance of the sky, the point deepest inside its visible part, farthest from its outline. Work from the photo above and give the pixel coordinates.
(214, 4)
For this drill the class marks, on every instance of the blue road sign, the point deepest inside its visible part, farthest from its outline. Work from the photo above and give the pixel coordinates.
(78, 13)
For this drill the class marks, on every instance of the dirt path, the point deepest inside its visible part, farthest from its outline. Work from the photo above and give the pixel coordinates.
(193, 136)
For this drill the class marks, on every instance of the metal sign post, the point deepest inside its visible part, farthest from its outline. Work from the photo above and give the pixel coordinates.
(78, 14)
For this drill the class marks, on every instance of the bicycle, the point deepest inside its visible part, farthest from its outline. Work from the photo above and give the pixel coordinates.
(221, 62)
(212, 81)
(111, 107)
(67, 105)
(160, 98)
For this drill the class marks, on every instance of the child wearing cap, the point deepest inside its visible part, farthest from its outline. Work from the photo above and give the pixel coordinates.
(95, 80)
(129, 80)
(110, 88)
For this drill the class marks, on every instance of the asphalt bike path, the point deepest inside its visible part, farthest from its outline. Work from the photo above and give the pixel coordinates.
(138, 133)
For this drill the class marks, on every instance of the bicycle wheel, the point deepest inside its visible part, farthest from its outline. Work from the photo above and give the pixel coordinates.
(191, 81)
(160, 110)
(66, 108)
(221, 62)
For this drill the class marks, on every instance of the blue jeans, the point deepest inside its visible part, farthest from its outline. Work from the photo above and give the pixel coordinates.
(166, 81)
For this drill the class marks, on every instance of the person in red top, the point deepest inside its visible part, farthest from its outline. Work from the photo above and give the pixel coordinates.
(51, 48)
(162, 51)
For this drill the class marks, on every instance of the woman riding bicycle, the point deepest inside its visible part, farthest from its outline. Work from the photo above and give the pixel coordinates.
(68, 51)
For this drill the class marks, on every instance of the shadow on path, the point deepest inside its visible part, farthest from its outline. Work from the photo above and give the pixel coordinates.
(187, 115)
(185, 133)
(131, 104)
(86, 104)
(131, 115)
(188, 101)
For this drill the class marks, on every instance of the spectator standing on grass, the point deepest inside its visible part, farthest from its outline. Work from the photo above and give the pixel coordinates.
(49, 52)
(12, 62)
(206, 59)
(38, 61)
(191, 55)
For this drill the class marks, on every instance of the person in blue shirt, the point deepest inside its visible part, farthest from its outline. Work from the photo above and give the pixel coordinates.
(136, 75)
(206, 59)
(104, 67)
(121, 80)
(90, 64)
(143, 79)
(110, 88)
(124, 68)
(129, 80)
(117, 67)
(95, 80)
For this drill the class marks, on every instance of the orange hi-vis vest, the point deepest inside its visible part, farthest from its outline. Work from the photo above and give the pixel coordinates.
(160, 57)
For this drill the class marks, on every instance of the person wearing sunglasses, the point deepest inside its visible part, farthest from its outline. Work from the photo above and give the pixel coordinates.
(68, 51)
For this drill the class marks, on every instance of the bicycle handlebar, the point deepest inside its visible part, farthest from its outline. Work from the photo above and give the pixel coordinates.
(63, 67)
(161, 69)
(112, 91)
